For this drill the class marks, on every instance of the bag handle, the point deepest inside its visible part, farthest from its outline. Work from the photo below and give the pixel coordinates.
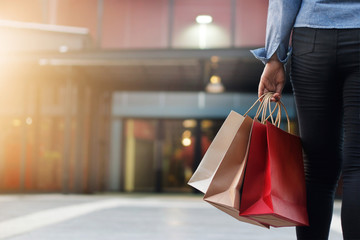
(265, 106)
(264, 102)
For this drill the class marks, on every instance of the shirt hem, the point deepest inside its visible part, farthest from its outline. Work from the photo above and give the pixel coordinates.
(326, 27)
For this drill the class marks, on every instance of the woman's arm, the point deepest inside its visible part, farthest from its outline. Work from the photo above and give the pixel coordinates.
(280, 21)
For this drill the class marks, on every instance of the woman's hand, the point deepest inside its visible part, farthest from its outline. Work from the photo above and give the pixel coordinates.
(272, 78)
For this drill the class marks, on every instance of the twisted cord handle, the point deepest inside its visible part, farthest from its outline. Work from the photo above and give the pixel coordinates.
(265, 107)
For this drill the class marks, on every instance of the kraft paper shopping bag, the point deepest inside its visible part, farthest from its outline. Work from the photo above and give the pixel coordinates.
(214, 155)
(224, 189)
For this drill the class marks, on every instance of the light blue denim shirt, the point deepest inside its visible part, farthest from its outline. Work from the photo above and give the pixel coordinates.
(283, 15)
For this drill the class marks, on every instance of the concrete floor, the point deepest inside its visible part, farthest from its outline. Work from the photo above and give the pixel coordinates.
(128, 217)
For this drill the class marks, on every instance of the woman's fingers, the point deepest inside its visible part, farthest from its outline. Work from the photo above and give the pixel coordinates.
(272, 80)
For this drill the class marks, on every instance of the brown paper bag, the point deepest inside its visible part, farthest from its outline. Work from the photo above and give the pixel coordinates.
(214, 155)
(224, 189)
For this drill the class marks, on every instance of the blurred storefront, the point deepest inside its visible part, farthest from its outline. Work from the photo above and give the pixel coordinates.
(120, 95)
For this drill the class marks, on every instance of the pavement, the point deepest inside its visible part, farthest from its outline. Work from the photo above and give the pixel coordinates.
(129, 217)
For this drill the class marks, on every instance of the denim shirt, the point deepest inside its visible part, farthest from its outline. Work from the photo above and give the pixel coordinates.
(283, 15)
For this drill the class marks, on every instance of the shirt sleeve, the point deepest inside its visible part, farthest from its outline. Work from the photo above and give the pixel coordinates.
(280, 21)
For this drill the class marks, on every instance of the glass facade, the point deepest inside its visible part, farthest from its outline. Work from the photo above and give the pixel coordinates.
(161, 155)
(56, 137)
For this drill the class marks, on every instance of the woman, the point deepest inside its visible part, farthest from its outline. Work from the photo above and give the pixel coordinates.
(325, 75)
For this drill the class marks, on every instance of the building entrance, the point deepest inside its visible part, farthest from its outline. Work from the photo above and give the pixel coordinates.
(161, 155)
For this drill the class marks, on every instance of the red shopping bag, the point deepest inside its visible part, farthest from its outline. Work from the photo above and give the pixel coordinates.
(274, 184)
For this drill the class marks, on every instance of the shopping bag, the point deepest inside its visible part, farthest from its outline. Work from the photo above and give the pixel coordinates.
(214, 155)
(274, 184)
(224, 189)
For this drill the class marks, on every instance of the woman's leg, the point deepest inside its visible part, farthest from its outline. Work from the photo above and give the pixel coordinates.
(318, 97)
(349, 61)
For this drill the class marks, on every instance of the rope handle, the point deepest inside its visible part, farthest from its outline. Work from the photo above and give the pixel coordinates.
(265, 107)
(261, 106)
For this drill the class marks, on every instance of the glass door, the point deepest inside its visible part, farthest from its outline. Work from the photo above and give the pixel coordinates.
(161, 155)
(185, 143)
(139, 155)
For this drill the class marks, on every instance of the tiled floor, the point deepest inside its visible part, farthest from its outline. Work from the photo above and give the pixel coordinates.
(127, 217)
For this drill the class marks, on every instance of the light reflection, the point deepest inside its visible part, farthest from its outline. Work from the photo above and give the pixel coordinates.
(16, 122)
(186, 138)
(28, 120)
(202, 36)
(189, 123)
(186, 142)
(205, 124)
(63, 49)
(43, 62)
(203, 20)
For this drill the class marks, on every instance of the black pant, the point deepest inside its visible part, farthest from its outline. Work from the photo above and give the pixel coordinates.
(325, 75)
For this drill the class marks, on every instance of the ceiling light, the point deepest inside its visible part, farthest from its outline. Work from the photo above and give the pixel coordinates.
(215, 79)
(204, 19)
(63, 49)
(215, 85)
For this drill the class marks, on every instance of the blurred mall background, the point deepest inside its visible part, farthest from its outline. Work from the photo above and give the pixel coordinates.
(121, 95)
